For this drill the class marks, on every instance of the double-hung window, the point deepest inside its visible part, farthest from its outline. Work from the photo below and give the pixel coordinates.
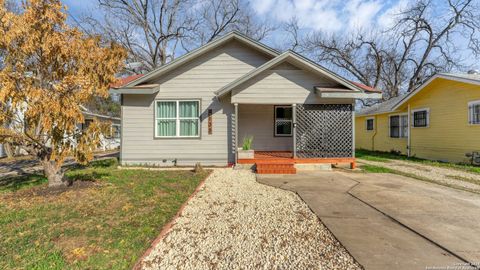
(369, 124)
(398, 126)
(177, 118)
(474, 112)
(283, 121)
(420, 118)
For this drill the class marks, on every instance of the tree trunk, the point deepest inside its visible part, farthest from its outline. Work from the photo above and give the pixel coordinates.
(8, 150)
(54, 174)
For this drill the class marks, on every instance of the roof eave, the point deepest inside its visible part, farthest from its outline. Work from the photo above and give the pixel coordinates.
(135, 90)
(355, 95)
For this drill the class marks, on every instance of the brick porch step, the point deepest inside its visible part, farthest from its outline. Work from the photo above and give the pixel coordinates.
(276, 168)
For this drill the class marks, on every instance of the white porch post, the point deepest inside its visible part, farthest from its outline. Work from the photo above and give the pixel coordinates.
(236, 133)
(294, 119)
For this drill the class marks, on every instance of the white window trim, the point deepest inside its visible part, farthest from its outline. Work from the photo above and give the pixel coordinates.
(366, 124)
(177, 118)
(420, 110)
(282, 119)
(470, 112)
(400, 122)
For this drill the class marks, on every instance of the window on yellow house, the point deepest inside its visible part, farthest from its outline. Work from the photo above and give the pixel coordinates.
(474, 112)
(421, 118)
(369, 124)
(398, 126)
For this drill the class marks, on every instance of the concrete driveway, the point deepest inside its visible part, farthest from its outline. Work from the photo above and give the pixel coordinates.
(392, 222)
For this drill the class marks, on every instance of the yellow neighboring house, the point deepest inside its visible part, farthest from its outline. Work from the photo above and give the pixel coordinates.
(444, 122)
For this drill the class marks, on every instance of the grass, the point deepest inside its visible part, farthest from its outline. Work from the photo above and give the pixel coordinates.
(375, 169)
(387, 156)
(465, 179)
(379, 169)
(105, 224)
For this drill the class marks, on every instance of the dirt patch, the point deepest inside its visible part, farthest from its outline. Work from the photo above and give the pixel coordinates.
(45, 191)
(75, 248)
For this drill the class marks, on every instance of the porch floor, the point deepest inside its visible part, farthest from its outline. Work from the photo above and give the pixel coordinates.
(286, 157)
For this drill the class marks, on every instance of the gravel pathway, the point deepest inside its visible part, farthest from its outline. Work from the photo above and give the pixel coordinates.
(446, 176)
(235, 222)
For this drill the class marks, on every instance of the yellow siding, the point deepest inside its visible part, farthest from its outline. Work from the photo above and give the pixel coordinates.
(378, 139)
(448, 136)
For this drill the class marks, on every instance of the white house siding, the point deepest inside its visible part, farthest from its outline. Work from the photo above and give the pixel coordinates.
(198, 79)
(2, 151)
(283, 86)
(258, 121)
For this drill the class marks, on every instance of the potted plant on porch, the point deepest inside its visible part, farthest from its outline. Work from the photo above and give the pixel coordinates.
(246, 152)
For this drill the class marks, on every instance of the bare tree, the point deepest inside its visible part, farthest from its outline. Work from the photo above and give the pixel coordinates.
(292, 30)
(406, 55)
(217, 17)
(155, 31)
(149, 29)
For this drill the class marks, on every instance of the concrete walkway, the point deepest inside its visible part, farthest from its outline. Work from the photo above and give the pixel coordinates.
(392, 222)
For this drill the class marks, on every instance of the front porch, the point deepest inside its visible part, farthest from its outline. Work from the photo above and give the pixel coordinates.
(286, 135)
(284, 162)
(287, 156)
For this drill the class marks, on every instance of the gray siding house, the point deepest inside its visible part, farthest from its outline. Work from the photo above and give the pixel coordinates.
(199, 107)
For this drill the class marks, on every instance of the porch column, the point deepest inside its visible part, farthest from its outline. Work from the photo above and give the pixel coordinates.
(236, 133)
(294, 132)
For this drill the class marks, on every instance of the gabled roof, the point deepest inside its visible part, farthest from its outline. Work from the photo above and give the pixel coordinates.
(87, 111)
(460, 77)
(123, 81)
(394, 103)
(290, 55)
(202, 50)
(385, 106)
(366, 87)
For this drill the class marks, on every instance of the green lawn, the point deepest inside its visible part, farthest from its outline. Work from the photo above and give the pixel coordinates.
(387, 156)
(104, 224)
(375, 169)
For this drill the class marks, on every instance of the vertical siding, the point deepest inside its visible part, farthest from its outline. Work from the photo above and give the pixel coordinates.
(197, 79)
(258, 121)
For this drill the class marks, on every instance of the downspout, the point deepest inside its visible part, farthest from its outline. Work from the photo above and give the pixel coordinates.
(374, 132)
(408, 133)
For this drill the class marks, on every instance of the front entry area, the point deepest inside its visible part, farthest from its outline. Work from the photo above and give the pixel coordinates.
(283, 136)
(283, 162)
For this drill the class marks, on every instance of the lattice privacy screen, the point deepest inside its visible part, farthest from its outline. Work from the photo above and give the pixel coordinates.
(324, 130)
